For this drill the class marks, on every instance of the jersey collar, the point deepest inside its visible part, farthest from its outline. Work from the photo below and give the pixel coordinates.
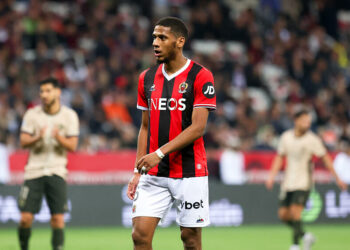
(169, 77)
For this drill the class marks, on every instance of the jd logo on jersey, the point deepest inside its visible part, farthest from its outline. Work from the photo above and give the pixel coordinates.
(208, 90)
(194, 205)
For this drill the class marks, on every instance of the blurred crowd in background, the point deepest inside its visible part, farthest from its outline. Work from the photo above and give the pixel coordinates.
(268, 57)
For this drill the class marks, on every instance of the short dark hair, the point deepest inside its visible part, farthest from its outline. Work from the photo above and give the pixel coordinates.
(300, 113)
(345, 140)
(177, 26)
(50, 80)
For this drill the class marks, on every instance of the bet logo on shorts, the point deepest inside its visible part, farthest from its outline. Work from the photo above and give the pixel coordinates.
(208, 90)
(194, 205)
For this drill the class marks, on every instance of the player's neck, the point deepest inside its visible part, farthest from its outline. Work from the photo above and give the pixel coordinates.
(299, 133)
(176, 64)
(52, 109)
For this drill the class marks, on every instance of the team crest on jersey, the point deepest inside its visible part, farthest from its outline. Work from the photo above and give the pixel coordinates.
(183, 87)
(152, 88)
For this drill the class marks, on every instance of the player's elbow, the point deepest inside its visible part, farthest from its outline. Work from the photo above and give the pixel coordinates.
(72, 144)
(23, 143)
(72, 148)
(199, 131)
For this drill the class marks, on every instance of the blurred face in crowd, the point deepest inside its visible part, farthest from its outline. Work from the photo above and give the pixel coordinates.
(165, 44)
(303, 123)
(49, 95)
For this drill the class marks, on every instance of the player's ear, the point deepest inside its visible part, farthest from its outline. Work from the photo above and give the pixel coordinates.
(180, 42)
(58, 91)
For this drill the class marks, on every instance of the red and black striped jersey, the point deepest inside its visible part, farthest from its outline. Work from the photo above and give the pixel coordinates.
(170, 101)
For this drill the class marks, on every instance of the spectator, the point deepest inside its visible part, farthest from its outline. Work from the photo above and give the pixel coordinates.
(342, 161)
(232, 163)
(4, 160)
(267, 58)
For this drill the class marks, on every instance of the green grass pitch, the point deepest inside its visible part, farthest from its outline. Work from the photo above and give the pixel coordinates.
(269, 237)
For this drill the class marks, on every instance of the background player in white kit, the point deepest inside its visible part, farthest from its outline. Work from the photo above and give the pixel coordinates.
(48, 131)
(298, 145)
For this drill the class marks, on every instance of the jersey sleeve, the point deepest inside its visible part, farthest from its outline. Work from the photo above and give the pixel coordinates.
(281, 148)
(318, 147)
(141, 96)
(73, 125)
(28, 123)
(204, 91)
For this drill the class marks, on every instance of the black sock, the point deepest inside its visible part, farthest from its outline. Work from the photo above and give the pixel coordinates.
(57, 239)
(289, 223)
(23, 236)
(298, 231)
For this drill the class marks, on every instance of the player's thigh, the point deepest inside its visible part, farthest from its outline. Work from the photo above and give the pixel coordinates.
(285, 198)
(152, 197)
(283, 213)
(300, 197)
(143, 228)
(192, 201)
(56, 194)
(30, 196)
(296, 211)
(298, 202)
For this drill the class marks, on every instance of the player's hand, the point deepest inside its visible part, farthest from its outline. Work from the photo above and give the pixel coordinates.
(132, 185)
(54, 132)
(342, 185)
(42, 132)
(148, 162)
(269, 183)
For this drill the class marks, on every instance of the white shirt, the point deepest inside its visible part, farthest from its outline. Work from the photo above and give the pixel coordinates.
(4, 164)
(342, 166)
(232, 167)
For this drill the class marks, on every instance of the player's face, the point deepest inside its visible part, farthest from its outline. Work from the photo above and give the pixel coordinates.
(303, 123)
(49, 94)
(165, 44)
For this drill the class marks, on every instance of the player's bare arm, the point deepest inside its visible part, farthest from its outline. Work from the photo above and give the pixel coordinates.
(186, 137)
(329, 165)
(141, 151)
(69, 143)
(275, 168)
(28, 140)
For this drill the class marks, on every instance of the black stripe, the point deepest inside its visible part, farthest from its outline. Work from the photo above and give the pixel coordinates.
(188, 162)
(164, 127)
(147, 84)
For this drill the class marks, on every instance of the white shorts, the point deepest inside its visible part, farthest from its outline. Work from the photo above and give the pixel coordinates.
(155, 196)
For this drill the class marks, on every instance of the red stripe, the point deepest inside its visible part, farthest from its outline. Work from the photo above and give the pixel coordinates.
(142, 89)
(154, 116)
(175, 158)
(200, 159)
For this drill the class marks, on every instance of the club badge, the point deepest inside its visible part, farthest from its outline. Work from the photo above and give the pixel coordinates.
(183, 87)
